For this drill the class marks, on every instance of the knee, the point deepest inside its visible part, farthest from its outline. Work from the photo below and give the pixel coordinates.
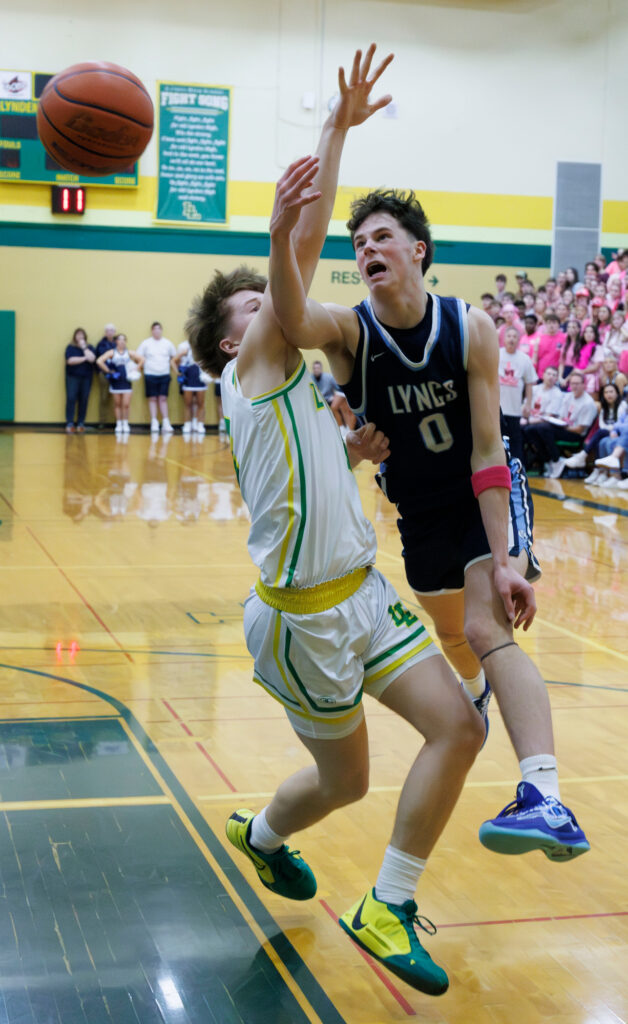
(348, 789)
(481, 633)
(468, 732)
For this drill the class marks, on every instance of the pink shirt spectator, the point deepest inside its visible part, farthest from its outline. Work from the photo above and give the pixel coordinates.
(529, 345)
(623, 362)
(550, 347)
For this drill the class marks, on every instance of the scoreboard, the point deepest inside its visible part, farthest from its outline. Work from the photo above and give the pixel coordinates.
(22, 156)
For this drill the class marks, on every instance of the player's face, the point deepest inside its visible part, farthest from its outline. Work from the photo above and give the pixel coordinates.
(386, 253)
(242, 307)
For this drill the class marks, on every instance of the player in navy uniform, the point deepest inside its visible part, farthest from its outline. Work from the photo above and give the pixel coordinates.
(425, 370)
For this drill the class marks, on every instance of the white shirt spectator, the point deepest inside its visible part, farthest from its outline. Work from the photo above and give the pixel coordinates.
(157, 352)
(578, 412)
(515, 370)
(546, 401)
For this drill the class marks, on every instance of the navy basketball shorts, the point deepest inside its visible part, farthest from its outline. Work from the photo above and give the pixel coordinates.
(439, 544)
(157, 387)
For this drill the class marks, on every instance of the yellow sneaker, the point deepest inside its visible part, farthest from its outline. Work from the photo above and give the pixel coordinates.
(284, 871)
(388, 933)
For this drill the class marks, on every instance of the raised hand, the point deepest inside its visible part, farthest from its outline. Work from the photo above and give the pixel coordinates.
(289, 195)
(353, 106)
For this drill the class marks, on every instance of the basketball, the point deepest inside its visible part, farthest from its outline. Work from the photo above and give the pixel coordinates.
(95, 119)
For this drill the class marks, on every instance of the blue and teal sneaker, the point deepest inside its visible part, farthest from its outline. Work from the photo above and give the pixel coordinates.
(388, 933)
(283, 871)
(535, 822)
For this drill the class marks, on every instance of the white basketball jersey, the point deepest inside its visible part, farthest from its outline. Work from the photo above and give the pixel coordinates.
(307, 524)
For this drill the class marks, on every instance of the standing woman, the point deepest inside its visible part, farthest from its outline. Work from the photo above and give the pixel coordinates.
(79, 365)
(193, 385)
(570, 351)
(121, 367)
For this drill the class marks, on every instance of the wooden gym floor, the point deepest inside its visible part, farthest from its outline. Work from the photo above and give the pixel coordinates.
(131, 729)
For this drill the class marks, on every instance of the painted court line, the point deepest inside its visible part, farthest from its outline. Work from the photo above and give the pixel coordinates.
(78, 592)
(533, 920)
(303, 985)
(583, 640)
(383, 977)
(104, 801)
(200, 746)
(580, 501)
(508, 783)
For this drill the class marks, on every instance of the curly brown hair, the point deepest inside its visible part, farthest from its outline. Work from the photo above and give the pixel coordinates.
(404, 207)
(208, 316)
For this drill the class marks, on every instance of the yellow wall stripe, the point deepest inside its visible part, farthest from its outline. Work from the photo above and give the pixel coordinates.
(255, 199)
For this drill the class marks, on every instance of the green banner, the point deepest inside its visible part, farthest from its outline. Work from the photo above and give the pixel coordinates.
(22, 156)
(193, 153)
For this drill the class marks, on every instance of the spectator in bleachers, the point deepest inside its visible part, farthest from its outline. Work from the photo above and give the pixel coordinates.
(487, 300)
(612, 459)
(500, 287)
(603, 321)
(79, 368)
(547, 398)
(516, 377)
(551, 294)
(511, 319)
(529, 340)
(615, 293)
(570, 351)
(616, 338)
(619, 264)
(578, 412)
(540, 307)
(550, 343)
(613, 410)
(609, 373)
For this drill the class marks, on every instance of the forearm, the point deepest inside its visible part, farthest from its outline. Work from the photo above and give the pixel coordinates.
(494, 503)
(311, 230)
(286, 286)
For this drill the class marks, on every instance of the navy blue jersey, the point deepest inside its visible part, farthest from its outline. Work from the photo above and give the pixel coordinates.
(412, 383)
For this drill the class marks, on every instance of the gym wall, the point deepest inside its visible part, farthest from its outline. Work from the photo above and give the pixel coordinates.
(489, 94)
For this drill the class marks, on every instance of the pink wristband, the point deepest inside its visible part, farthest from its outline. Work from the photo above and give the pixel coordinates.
(492, 476)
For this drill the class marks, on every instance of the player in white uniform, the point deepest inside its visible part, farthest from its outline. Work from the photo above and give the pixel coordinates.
(321, 623)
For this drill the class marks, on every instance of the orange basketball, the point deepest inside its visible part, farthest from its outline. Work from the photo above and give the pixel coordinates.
(95, 119)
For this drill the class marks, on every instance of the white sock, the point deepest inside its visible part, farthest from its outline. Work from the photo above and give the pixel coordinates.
(398, 876)
(262, 836)
(542, 771)
(475, 687)
(194, 422)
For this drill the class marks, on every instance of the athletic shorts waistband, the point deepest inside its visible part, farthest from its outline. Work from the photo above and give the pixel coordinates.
(309, 600)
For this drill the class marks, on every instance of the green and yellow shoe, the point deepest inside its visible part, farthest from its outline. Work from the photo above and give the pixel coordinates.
(284, 872)
(388, 933)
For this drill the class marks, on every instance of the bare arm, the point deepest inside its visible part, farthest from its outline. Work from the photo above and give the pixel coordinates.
(488, 450)
(101, 362)
(353, 108)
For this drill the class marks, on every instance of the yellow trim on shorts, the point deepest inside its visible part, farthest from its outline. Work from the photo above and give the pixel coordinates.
(308, 715)
(309, 600)
(395, 664)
